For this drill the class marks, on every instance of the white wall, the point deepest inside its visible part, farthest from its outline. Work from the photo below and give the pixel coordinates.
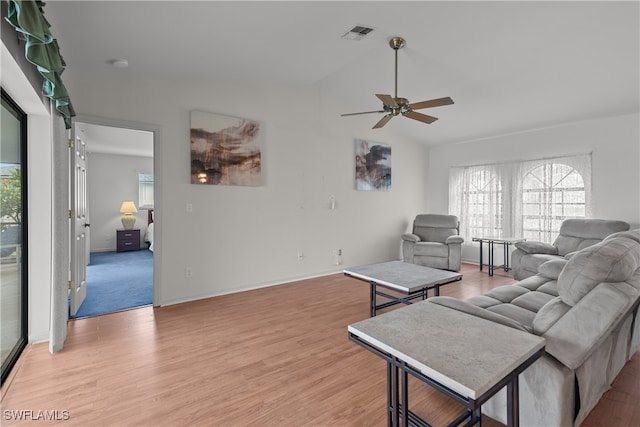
(243, 237)
(614, 142)
(111, 180)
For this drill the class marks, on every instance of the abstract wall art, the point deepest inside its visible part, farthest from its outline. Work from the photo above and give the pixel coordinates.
(225, 150)
(373, 165)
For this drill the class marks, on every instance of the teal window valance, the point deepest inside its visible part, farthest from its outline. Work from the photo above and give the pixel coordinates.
(42, 50)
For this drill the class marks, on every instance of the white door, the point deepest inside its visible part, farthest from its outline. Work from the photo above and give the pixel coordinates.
(78, 220)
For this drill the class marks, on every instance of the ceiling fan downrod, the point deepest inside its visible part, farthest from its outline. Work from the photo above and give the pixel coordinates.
(396, 43)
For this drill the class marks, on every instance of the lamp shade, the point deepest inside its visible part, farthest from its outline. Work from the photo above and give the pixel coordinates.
(128, 207)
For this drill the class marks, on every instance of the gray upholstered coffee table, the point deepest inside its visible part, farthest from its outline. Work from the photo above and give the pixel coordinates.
(410, 279)
(465, 357)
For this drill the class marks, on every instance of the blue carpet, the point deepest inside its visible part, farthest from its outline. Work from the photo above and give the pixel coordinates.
(118, 281)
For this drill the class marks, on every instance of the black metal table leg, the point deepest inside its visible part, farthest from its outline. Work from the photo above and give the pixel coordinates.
(481, 261)
(491, 257)
(390, 368)
(372, 310)
(513, 417)
(405, 397)
(395, 401)
(505, 255)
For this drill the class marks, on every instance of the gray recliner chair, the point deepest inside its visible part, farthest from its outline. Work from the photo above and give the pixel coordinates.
(575, 234)
(435, 242)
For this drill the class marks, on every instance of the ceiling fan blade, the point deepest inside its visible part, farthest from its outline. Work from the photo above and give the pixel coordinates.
(387, 100)
(420, 117)
(364, 112)
(431, 103)
(383, 121)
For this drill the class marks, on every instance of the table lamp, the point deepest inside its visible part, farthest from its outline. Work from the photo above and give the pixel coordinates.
(127, 210)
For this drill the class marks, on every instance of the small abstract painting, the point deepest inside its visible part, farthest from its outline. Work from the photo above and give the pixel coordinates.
(225, 150)
(373, 165)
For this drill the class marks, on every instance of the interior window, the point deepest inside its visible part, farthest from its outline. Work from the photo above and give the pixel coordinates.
(145, 190)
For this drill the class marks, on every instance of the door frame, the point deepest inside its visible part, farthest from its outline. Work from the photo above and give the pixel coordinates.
(157, 188)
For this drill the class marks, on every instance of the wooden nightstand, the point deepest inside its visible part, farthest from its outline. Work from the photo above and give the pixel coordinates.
(127, 240)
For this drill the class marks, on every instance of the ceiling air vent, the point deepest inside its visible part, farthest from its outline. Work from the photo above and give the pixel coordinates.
(358, 32)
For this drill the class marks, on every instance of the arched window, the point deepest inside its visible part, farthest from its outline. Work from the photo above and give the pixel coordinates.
(551, 193)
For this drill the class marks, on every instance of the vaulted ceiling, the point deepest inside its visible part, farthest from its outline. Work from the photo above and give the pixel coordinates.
(508, 65)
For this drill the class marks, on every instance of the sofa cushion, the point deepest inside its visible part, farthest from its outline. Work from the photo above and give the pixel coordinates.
(532, 283)
(515, 313)
(465, 307)
(430, 234)
(483, 301)
(435, 228)
(613, 260)
(579, 233)
(506, 293)
(550, 287)
(569, 244)
(633, 235)
(533, 301)
(431, 249)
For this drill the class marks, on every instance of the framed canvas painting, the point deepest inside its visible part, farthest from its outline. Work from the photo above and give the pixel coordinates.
(373, 165)
(225, 150)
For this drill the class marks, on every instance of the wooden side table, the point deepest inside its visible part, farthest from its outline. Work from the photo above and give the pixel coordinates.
(127, 240)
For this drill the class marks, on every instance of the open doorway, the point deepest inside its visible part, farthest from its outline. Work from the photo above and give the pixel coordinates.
(120, 214)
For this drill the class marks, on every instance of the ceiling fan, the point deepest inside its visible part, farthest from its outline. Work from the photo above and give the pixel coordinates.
(394, 106)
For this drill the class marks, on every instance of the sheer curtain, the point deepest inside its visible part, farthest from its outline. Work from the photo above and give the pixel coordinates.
(520, 199)
(476, 197)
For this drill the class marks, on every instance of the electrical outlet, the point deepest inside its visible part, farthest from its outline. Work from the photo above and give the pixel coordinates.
(188, 272)
(337, 257)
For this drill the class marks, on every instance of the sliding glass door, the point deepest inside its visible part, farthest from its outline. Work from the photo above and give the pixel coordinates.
(13, 234)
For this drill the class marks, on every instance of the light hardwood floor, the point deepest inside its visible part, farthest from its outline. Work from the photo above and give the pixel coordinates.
(277, 356)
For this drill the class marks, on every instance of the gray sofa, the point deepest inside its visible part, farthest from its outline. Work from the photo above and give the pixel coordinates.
(575, 234)
(435, 242)
(587, 310)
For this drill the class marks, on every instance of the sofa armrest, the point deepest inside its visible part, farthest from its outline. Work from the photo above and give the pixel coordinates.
(454, 239)
(533, 247)
(552, 268)
(409, 237)
(577, 334)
